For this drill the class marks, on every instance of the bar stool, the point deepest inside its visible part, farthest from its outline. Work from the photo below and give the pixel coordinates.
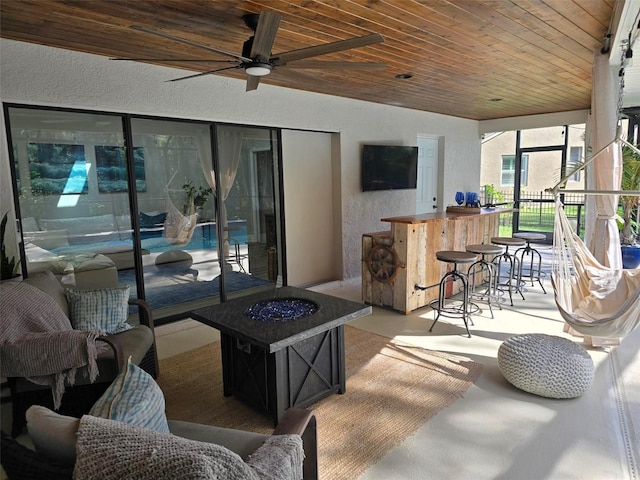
(453, 310)
(534, 271)
(479, 267)
(510, 284)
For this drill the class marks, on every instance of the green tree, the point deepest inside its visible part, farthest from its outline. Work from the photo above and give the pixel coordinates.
(630, 181)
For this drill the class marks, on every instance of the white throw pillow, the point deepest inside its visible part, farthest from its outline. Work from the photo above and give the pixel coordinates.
(106, 309)
(134, 398)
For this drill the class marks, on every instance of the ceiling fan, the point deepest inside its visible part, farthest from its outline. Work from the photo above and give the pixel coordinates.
(256, 58)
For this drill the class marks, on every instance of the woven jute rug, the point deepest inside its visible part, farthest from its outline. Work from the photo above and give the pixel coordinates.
(392, 389)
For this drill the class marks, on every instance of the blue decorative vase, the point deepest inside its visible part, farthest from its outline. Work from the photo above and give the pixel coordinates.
(630, 256)
(471, 199)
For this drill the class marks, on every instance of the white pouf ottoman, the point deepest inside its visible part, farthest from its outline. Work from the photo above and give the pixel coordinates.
(546, 365)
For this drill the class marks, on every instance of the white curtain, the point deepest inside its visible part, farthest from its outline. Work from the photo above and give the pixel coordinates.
(229, 146)
(602, 236)
(229, 149)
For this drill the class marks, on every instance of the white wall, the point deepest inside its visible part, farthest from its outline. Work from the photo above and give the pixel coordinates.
(33, 74)
(309, 221)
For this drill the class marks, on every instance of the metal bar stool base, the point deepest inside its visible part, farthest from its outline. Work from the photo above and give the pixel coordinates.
(488, 294)
(532, 268)
(512, 283)
(452, 308)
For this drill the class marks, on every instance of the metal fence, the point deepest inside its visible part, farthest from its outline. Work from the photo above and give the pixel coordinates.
(536, 212)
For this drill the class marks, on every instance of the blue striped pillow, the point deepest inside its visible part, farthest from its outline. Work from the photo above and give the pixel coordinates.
(106, 309)
(134, 398)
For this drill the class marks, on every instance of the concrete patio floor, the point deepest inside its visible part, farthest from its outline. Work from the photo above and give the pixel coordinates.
(497, 431)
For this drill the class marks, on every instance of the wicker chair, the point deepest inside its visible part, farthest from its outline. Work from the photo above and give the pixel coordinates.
(22, 463)
(139, 342)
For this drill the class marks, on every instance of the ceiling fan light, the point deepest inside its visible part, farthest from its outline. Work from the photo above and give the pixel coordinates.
(258, 69)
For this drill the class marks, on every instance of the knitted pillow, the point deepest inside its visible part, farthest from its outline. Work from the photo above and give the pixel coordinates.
(134, 398)
(104, 309)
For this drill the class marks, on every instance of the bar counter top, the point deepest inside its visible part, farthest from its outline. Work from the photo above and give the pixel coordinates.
(430, 217)
(395, 261)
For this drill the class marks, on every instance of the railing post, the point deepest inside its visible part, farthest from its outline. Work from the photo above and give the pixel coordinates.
(540, 210)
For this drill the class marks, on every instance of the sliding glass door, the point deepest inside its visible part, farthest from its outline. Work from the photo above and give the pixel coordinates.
(176, 216)
(249, 224)
(186, 216)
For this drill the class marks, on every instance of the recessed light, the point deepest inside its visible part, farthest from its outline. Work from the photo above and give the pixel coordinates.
(404, 76)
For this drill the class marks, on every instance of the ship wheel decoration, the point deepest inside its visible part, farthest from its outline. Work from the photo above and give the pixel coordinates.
(383, 263)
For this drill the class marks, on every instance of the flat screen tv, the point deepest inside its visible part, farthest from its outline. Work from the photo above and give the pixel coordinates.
(387, 167)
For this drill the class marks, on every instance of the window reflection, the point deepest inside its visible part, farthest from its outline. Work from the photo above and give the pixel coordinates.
(195, 226)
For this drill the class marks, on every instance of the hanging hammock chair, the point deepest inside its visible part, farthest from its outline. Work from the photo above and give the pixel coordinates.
(179, 225)
(593, 299)
(596, 300)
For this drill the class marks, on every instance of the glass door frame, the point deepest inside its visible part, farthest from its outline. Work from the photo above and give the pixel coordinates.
(517, 184)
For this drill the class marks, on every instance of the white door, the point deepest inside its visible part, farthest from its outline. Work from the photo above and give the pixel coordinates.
(426, 199)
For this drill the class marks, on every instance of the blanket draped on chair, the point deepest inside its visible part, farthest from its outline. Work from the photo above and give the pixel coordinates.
(37, 341)
(111, 450)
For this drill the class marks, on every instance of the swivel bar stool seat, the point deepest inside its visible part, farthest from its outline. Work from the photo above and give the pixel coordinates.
(511, 283)
(452, 310)
(479, 267)
(534, 272)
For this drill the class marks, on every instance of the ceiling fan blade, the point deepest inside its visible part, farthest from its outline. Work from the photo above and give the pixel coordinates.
(188, 42)
(315, 64)
(203, 73)
(338, 46)
(252, 83)
(173, 60)
(265, 35)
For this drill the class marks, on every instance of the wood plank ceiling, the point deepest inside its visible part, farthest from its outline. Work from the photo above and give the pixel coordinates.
(476, 59)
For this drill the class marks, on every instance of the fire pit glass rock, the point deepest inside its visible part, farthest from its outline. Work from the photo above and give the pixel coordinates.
(281, 310)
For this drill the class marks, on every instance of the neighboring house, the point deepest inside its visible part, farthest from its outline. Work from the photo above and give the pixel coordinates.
(541, 169)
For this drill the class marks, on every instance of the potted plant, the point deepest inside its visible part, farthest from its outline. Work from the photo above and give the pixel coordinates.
(196, 196)
(628, 225)
(493, 196)
(9, 267)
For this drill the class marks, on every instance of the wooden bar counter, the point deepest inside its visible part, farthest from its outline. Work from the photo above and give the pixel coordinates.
(395, 261)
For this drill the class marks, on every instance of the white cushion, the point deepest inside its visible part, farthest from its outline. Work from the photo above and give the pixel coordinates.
(53, 435)
(29, 225)
(48, 239)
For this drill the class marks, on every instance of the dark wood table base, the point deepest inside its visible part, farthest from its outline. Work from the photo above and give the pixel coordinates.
(296, 376)
(275, 365)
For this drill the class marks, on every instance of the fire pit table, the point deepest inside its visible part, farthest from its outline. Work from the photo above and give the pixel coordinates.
(283, 347)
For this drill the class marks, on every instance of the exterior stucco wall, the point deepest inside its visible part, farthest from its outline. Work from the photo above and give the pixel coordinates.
(544, 167)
